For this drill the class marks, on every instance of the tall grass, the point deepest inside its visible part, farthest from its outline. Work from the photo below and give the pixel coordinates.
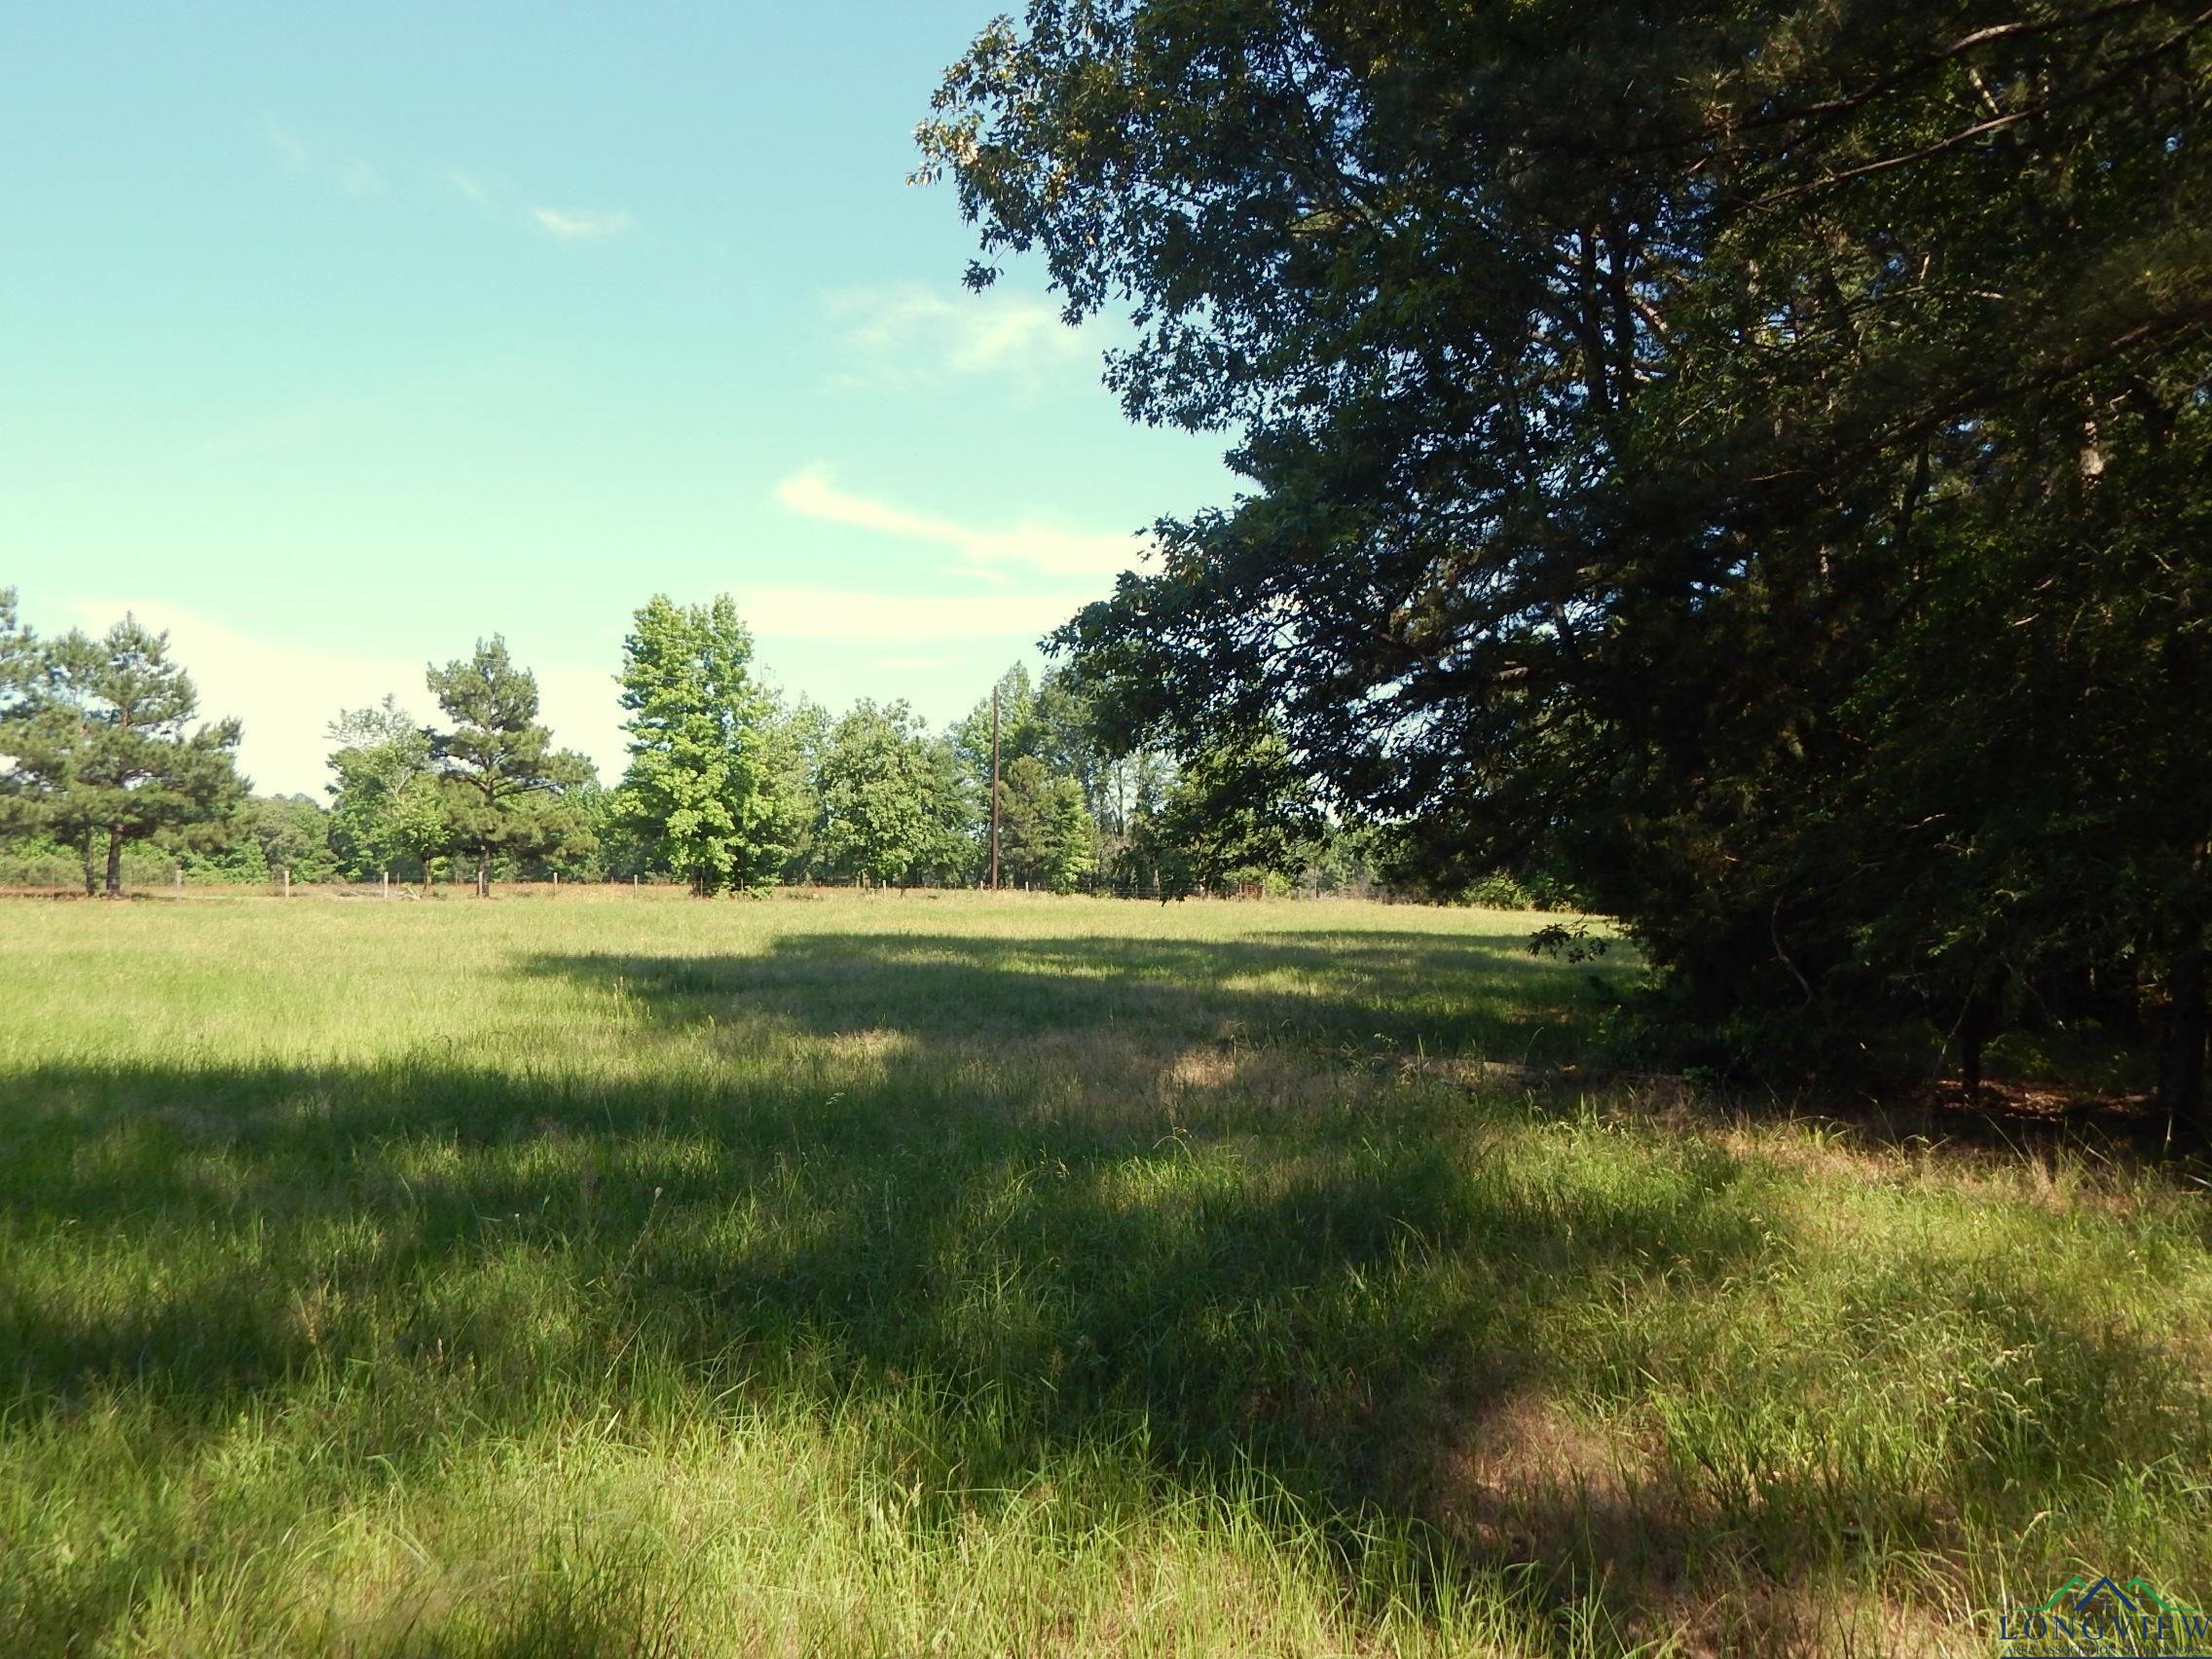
(989, 1275)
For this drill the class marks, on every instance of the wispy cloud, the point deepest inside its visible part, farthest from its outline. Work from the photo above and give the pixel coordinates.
(311, 158)
(812, 492)
(909, 335)
(575, 225)
(291, 149)
(304, 160)
(477, 187)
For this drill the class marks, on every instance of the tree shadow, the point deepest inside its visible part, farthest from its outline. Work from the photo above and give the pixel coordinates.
(1346, 991)
(1024, 1197)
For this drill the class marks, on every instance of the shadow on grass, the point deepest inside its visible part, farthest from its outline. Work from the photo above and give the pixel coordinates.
(1441, 994)
(1007, 1201)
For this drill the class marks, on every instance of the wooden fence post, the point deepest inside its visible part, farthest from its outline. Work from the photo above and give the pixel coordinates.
(287, 881)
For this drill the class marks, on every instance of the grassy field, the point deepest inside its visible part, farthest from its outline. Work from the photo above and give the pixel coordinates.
(963, 1275)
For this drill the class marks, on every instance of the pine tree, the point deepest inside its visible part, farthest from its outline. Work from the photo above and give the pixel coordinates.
(104, 745)
(504, 781)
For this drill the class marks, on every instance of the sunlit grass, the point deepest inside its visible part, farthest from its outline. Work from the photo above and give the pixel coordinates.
(966, 1275)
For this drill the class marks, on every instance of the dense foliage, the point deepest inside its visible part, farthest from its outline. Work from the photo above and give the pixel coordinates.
(387, 813)
(102, 744)
(701, 787)
(506, 786)
(1750, 458)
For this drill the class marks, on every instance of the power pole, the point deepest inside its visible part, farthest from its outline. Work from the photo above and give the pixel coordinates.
(994, 789)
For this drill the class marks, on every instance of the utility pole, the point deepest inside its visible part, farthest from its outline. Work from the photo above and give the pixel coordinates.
(994, 789)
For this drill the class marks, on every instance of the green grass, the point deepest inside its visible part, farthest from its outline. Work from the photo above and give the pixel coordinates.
(966, 1275)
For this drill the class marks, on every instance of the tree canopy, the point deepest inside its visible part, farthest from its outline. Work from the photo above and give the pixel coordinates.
(1753, 456)
(702, 785)
(504, 781)
(387, 809)
(891, 808)
(104, 744)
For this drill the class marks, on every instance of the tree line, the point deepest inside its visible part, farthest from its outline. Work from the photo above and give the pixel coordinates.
(730, 786)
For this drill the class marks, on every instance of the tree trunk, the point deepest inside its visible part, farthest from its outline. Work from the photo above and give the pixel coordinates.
(115, 862)
(1977, 1025)
(91, 878)
(2180, 1061)
(483, 872)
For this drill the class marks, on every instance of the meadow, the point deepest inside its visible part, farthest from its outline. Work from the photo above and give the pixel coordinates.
(1003, 1274)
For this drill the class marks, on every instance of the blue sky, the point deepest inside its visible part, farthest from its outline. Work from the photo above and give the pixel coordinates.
(335, 336)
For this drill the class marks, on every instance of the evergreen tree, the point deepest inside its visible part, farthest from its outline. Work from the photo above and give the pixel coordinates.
(503, 781)
(19, 653)
(103, 744)
(1045, 835)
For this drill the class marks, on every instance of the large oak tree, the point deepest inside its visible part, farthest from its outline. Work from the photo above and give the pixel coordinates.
(1752, 456)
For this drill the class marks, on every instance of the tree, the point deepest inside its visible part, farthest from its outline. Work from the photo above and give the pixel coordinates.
(1046, 839)
(18, 671)
(19, 653)
(1235, 813)
(1055, 720)
(795, 738)
(504, 781)
(702, 782)
(885, 796)
(291, 832)
(103, 746)
(1652, 413)
(952, 852)
(386, 810)
(1019, 733)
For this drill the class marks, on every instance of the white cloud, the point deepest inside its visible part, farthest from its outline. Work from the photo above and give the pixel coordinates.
(303, 159)
(908, 334)
(847, 617)
(291, 149)
(571, 226)
(812, 494)
(286, 694)
(477, 188)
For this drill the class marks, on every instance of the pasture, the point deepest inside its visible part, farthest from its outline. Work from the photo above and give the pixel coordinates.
(997, 1274)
